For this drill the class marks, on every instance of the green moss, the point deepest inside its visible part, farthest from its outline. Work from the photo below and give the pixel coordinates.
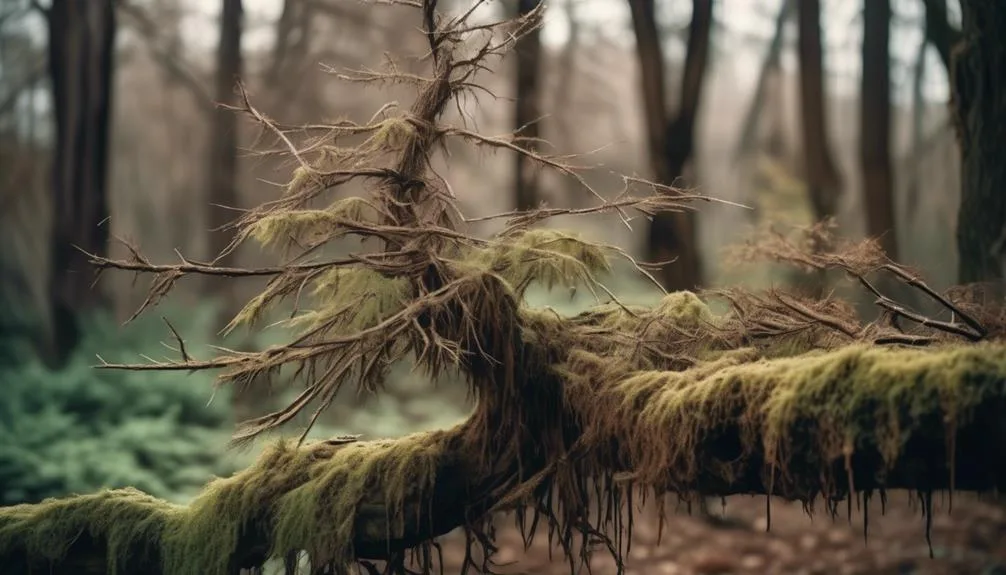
(354, 298)
(118, 517)
(391, 134)
(407, 470)
(308, 226)
(301, 498)
(550, 257)
(797, 411)
(349, 299)
(307, 498)
(301, 178)
(685, 309)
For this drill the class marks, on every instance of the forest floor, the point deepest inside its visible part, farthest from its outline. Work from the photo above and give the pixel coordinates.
(970, 539)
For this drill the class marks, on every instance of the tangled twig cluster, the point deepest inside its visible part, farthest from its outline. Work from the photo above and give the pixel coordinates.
(374, 308)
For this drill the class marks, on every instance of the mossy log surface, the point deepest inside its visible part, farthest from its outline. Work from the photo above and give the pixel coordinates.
(797, 427)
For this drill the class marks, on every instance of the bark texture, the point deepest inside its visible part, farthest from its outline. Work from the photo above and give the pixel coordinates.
(979, 96)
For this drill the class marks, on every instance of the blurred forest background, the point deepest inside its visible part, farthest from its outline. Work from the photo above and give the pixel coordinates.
(110, 128)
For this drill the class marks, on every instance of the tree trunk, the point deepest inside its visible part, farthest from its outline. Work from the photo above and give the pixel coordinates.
(223, 159)
(874, 127)
(81, 44)
(820, 173)
(672, 237)
(770, 73)
(25, 307)
(286, 27)
(917, 133)
(979, 95)
(527, 112)
(939, 32)
(563, 102)
(25, 323)
(289, 60)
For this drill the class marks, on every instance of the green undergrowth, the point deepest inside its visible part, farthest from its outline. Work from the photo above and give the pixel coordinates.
(79, 429)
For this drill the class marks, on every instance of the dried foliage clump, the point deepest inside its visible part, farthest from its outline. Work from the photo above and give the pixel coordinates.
(574, 416)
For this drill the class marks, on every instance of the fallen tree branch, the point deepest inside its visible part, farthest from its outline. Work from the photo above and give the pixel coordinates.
(803, 428)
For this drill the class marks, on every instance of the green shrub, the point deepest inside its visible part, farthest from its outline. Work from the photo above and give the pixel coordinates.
(80, 429)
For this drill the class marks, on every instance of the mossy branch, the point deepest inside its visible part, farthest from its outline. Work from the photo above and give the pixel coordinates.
(805, 428)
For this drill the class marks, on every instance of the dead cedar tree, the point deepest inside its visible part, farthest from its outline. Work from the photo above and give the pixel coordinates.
(575, 417)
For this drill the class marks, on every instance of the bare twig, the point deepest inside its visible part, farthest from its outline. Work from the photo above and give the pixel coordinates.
(178, 338)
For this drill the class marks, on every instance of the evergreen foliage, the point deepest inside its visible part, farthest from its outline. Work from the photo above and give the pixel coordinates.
(78, 429)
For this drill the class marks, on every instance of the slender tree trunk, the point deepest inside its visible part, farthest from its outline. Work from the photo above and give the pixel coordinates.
(820, 173)
(918, 133)
(568, 63)
(223, 159)
(289, 54)
(567, 86)
(81, 44)
(286, 28)
(875, 127)
(671, 140)
(939, 32)
(567, 73)
(770, 72)
(979, 95)
(527, 110)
